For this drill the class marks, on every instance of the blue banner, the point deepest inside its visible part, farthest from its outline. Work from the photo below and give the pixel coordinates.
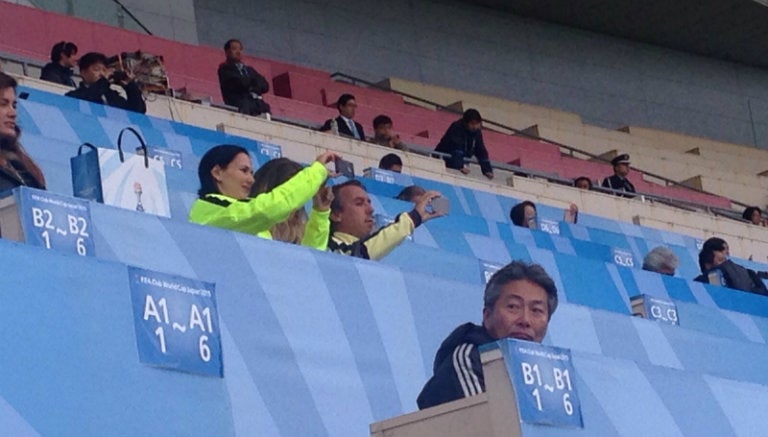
(176, 322)
(549, 226)
(487, 269)
(543, 378)
(658, 309)
(54, 221)
(171, 158)
(623, 257)
(387, 176)
(270, 151)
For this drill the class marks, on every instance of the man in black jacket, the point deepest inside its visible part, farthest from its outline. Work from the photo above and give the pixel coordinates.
(241, 85)
(619, 179)
(717, 269)
(345, 122)
(95, 86)
(464, 139)
(63, 60)
(519, 302)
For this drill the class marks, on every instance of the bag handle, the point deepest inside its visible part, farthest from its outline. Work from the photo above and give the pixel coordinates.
(88, 145)
(141, 141)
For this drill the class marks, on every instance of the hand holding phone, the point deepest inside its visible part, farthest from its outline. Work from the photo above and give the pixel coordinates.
(432, 205)
(441, 205)
(344, 168)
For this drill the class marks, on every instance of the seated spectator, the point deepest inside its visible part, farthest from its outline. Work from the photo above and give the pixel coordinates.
(345, 123)
(661, 260)
(298, 228)
(619, 179)
(411, 194)
(524, 214)
(95, 86)
(713, 261)
(352, 223)
(63, 60)
(241, 85)
(391, 162)
(464, 139)
(226, 180)
(583, 182)
(754, 215)
(16, 167)
(519, 302)
(383, 135)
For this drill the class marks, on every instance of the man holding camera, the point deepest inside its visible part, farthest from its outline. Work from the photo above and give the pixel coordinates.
(352, 222)
(95, 86)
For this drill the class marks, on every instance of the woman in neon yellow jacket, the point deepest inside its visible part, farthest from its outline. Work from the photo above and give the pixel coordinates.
(226, 179)
(298, 228)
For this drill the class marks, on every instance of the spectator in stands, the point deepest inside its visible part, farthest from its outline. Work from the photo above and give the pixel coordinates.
(391, 162)
(717, 268)
(754, 215)
(298, 228)
(242, 86)
(411, 194)
(226, 180)
(661, 260)
(352, 222)
(345, 122)
(619, 181)
(583, 182)
(464, 139)
(63, 60)
(519, 302)
(524, 214)
(383, 135)
(16, 166)
(95, 86)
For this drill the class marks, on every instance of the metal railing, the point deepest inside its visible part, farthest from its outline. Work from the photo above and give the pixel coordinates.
(526, 172)
(572, 151)
(26, 63)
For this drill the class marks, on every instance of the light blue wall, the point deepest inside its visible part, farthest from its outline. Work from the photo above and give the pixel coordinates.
(609, 82)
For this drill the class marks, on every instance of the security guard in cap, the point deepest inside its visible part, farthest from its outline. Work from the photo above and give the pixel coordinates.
(619, 179)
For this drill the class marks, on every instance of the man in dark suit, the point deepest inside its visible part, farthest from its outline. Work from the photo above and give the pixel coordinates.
(345, 122)
(619, 181)
(241, 85)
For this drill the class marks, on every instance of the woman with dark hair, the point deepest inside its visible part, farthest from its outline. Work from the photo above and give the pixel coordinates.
(226, 180)
(583, 182)
(718, 269)
(311, 231)
(524, 214)
(754, 215)
(16, 167)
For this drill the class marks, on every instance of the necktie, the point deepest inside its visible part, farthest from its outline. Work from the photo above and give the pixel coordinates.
(353, 129)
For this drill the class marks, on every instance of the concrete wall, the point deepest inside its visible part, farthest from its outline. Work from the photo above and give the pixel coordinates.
(172, 19)
(610, 82)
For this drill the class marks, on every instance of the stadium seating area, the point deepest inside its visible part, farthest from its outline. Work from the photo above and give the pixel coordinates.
(323, 345)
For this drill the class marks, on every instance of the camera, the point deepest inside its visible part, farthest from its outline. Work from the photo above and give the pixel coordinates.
(118, 76)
